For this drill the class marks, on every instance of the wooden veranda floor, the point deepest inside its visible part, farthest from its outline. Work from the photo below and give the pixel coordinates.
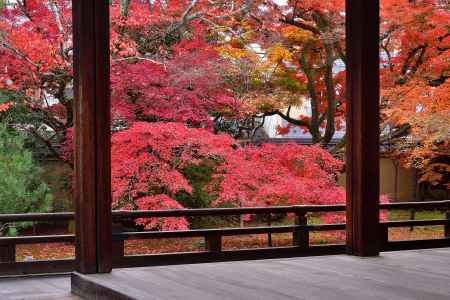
(36, 288)
(421, 274)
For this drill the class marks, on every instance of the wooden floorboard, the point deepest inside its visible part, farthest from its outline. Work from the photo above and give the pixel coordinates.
(420, 274)
(55, 287)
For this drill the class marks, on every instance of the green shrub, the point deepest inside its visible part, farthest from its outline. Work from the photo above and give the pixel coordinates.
(199, 176)
(22, 190)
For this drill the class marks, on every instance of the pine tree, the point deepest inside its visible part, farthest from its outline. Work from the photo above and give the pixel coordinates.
(24, 192)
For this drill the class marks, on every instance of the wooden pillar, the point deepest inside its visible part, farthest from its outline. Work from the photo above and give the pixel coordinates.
(362, 162)
(92, 135)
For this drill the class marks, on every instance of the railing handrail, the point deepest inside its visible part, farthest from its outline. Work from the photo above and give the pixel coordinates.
(269, 209)
(28, 217)
(225, 231)
(408, 223)
(61, 216)
(37, 239)
(226, 211)
(416, 204)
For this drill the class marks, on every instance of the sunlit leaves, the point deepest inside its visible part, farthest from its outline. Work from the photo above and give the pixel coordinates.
(415, 85)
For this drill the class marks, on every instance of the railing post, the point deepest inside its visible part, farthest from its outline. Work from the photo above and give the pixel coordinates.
(269, 235)
(412, 216)
(447, 226)
(384, 235)
(301, 236)
(7, 253)
(118, 245)
(213, 243)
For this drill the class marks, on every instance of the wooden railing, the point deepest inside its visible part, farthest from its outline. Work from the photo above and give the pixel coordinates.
(213, 237)
(300, 231)
(387, 245)
(8, 263)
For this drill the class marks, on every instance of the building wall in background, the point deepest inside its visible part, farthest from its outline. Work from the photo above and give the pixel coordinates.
(400, 190)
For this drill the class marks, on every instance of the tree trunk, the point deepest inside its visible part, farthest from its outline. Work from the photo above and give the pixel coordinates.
(124, 6)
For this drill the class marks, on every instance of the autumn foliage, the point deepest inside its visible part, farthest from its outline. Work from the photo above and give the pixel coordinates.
(415, 45)
(190, 78)
(149, 174)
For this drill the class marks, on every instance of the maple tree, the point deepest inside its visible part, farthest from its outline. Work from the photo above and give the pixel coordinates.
(149, 175)
(35, 54)
(293, 53)
(289, 56)
(182, 68)
(300, 58)
(270, 56)
(183, 62)
(172, 78)
(415, 43)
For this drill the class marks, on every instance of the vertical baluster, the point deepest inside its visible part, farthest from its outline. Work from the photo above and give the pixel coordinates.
(269, 235)
(301, 235)
(118, 245)
(384, 235)
(447, 226)
(213, 242)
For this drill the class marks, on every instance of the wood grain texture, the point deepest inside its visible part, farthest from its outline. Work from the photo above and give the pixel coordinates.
(402, 275)
(362, 151)
(37, 288)
(92, 192)
(103, 136)
(226, 255)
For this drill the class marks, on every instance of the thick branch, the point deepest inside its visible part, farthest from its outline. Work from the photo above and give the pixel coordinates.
(300, 24)
(288, 119)
(399, 132)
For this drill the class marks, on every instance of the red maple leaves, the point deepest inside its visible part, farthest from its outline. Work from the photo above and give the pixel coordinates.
(175, 69)
(148, 158)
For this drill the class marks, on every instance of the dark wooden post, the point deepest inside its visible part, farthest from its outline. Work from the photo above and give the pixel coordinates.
(384, 236)
(362, 151)
(7, 253)
(92, 135)
(301, 236)
(118, 245)
(447, 226)
(269, 235)
(213, 243)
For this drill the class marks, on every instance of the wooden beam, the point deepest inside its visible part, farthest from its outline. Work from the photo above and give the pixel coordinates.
(92, 135)
(362, 162)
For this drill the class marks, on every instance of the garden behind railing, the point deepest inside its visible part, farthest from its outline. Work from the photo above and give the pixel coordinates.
(213, 243)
